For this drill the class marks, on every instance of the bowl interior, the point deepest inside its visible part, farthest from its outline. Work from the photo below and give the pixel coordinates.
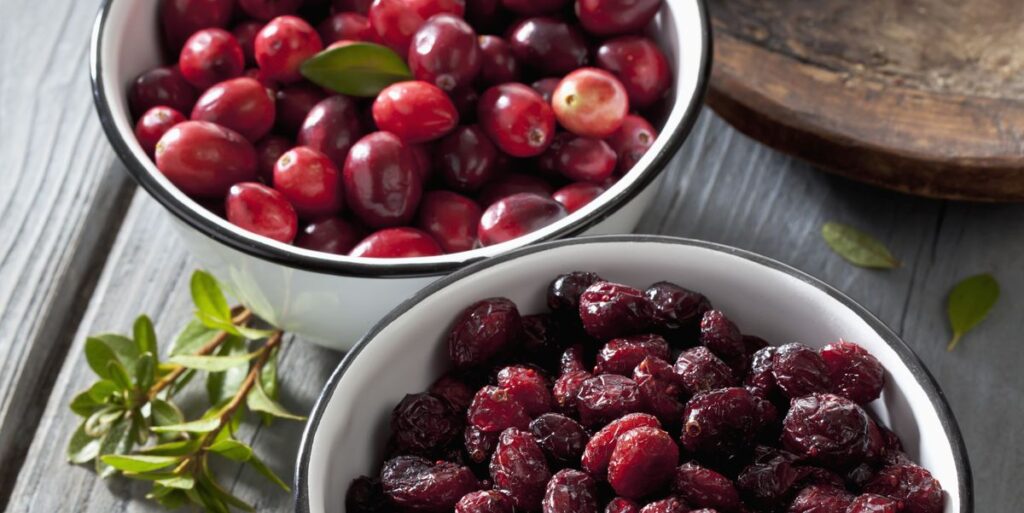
(407, 351)
(126, 44)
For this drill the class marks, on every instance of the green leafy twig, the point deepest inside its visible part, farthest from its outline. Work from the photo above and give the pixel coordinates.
(211, 346)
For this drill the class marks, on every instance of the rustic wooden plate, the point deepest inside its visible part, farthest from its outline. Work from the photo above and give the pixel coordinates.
(920, 96)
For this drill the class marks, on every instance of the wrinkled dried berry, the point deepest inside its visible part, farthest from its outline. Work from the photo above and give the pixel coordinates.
(609, 310)
(677, 311)
(598, 451)
(621, 505)
(770, 480)
(565, 291)
(721, 423)
(799, 371)
(567, 388)
(485, 501)
(662, 393)
(561, 437)
(819, 476)
(484, 330)
(642, 462)
(365, 495)
(542, 341)
(760, 373)
(705, 488)
(422, 423)
(829, 429)
(574, 359)
(570, 491)
(699, 370)
(854, 373)
(871, 503)
(722, 337)
(420, 485)
(479, 444)
(669, 505)
(607, 397)
(912, 485)
(494, 410)
(622, 355)
(820, 499)
(528, 387)
(458, 393)
(518, 467)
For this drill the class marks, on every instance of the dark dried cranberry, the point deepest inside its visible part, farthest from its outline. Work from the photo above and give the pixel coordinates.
(622, 355)
(542, 341)
(457, 392)
(700, 370)
(598, 451)
(621, 505)
(912, 485)
(661, 390)
(642, 462)
(562, 438)
(677, 311)
(485, 501)
(528, 387)
(722, 337)
(769, 481)
(570, 491)
(519, 467)
(494, 410)
(365, 495)
(479, 444)
(753, 343)
(855, 374)
(799, 371)
(483, 331)
(760, 374)
(829, 429)
(859, 476)
(705, 488)
(820, 499)
(892, 447)
(607, 397)
(669, 505)
(609, 310)
(720, 423)
(416, 483)
(567, 388)
(565, 291)
(574, 359)
(422, 423)
(871, 503)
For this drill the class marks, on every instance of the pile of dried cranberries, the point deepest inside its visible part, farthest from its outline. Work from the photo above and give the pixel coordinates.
(463, 154)
(651, 401)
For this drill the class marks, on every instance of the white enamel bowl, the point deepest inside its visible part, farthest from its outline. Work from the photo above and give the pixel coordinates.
(406, 351)
(333, 300)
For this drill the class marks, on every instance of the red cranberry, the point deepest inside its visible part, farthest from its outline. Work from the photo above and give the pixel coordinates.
(415, 111)
(395, 21)
(590, 102)
(720, 423)
(485, 501)
(549, 46)
(357, 6)
(245, 34)
(640, 65)
(607, 397)
(424, 166)
(444, 52)
(486, 329)
(310, 181)
(241, 104)
(499, 65)
(564, 293)
(609, 310)
(211, 55)
(465, 100)
(517, 119)
(854, 373)
(422, 423)
(466, 158)
(182, 18)
(345, 26)
(268, 151)
(546, 87)
(642, 462)
(820, 499)
(570, 491)
(268, 9)
(161, 87)
(598, 452)
(769, 481)
(203, 159)
(261, 210)
(294, 104)
(517, 215)
(365, 495)
(700, 370)
(669, 505)
(610, 17)
(722, 337)
(495, 409)
(582, 158)
(760, 375)
(660, 390)
(450, 218)
(518, 467)
(632, 141)
(511, 184)
(871, 503)
(257, 75)
(454, 390)
(331, 235)
(528, 387)
(381, 182)
(912, 485)
(332, 127)
(283, 45)
(567, 388)
(479, 444)
(396, 243)
(799, 371)
(154, 124)
(677, 311)
(486, 15)
(620, 505)
(562, 438)
(829, 429)
(622, 355)
(420, 485)
(534, 7)
(705, 488)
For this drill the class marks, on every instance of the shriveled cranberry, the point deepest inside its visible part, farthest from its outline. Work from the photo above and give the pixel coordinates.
(642, 462)
(485, 501)
(517, 119)
(760, 374)
(528, 387)
(396, 21)
(598, 452)
(357, 6)
(161, 87)
(423, 423)
(677, 311)
(570, 491)
(332, 127)
(722, 337)
(581, 158)
(483, 331)
(609, 310)
(567, 387)
(632, 141)
(799, 371)
(562, 438)
(381, 181)
(511, 184)
(283, 45)
(345, 26)
(332, 235)
(154, 124)
(415, 111)
(365, 495)
(543, 340)
(721, 423)
(546, 87)
(705, 488)
(517, 215)
(577, 195)
(181, 19)
(810, 475)
(241, 104)
(820, 499)
(574, 359)
(310, 182)
(669, 505)
(590, 102)
(268, 9)
(518, 466)
(420, 485)
(549, 46)
(641, 67)
(466, 158)
(456, 391)
(449, 218)
(621, 505)
(610, 17)
(770, 479)
(700, 370)
(660, 389)
(563, 295)
(211, 55)
(444, 52)
(479, 444)
(607, 397)
(829, 429)
(855, 374)
(261, 210)
(397, 243)
(294, 104)
(203, 159)
(498, 63)
(871, 503)
(910, 484)
(622, 355)
(892, 447)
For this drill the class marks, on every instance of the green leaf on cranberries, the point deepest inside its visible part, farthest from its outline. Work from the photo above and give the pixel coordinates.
(357, 69)
(969, 303)
(857, 247)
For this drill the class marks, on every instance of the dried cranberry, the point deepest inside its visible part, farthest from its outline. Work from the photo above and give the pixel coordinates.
(819, 476)
(912, 485)
(722, 337)
(607, 397)
(621, 505)
(598, 452)
(609, 310)
(768, 481)
(479, 444)
(622, 355)
(871, 503)
(570, 491)
(820, 499)
(416, 483)
(454, 390)
(669, 505)
(365, 495)
(518, 466)
(799, 371)
(677, 311)
(642, 462)
(705, 488)
(760, 374)
(422, 423)
(528, 387)
(829, 429)
(485, 501)
(858, 476)
(567, 388)
(700, 370)
(564, 292)
(494, 410)
(542, 340)
(721, 423)
(660, 389)
(855, 374)
(562, 438)
(483, 331)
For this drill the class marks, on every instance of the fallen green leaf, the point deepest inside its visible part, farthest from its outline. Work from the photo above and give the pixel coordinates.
(357, 69)
(969, 303)
(857, 247)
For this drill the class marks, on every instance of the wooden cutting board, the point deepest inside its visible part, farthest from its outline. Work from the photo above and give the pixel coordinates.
(920, 96)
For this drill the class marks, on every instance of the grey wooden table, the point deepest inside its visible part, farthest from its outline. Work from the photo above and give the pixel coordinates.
(83, 251)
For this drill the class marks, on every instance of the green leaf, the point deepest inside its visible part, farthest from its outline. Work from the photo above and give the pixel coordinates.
(165, 413)
(223, 385)
(210, 484)
(99, 423)
(101, 390)
(139, 463)
(116, 441)
(196, 426)
(178, 448)
(194, 336)
(357, 69)
(167, 497)
(257, 400)
(145, 335)
(145, 371)
(969, 303)
(857, 247)
(208, 297)
(268, 379)
(98, 354)
(253, 333)
(84, 404)
(125, 348)
(178, 482)
(232, 450)
(258, 465)
(82, 448)
(119, 375)
(212, 363)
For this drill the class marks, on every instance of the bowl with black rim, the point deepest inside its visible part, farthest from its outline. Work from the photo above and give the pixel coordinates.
(348, 429)
(333, 299)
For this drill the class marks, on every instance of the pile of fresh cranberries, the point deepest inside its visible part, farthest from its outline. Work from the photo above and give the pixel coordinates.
(519, 113)
(621, 400)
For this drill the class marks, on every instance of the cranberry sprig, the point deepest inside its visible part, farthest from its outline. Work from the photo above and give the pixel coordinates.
(132, 426)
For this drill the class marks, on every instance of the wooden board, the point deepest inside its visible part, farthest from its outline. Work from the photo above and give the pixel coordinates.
(920, 96)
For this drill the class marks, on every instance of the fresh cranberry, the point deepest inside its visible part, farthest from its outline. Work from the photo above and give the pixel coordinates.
(203, 159)
(517, 119)
(310, 181)
(590, 102)
(669, 505)
(546, 87)
(415, 111)
(854, 373)
(485, 501)
(871, 503)
(581, 158)
(245, 34)
(154, 124)
(632, 141)
(396, 21)
(450, 218)
(609, 310)
(722, 337)
(261, 210)
(705, 488)
(700, 370)
(640, 65)
(241, 104)
(499, 65)
(610, 17)
(332, 127)
(534, 7)
(381, 181)
(268, 151)
(182, 18)
(465, 158)
(424, 163)
(661, 390)
(444, 52)
(397, 243)
(598, 452)
(465, 100)
(566, 389)
(910, 484)
(799, 371)
(570, 491)
(483, 331)
(829, 429)
(420, 485)
(211, 55)
(517, 215)
(161, 87)
(820, 499)
(549, 46)
(622, 355)
(332, 235)
(518, 466)
(283, 45)
(357, 6)
(511, 184)
(294, 104)
(257, 75)
(345, 26)
(563, 295)
(720, 423)
(607, 397)
(268, 9)
(642, 462)
(562, 438)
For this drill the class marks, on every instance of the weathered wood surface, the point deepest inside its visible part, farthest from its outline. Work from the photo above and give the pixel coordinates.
(722, 187)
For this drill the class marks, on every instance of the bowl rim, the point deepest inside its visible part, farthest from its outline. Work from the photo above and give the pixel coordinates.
(914, 364)
(271, 251)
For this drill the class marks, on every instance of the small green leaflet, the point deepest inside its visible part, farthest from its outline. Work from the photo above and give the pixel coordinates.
(969, 303)
(211, 363)
(208, 297)
(139, 463)
(857, 247)
(258, 400)
(232, 450)
(195, 335)
(196, 426)
(145, 336)
(357, 69)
